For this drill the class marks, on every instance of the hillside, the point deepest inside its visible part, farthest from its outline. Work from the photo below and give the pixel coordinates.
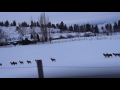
(75, 58)
(13, 33)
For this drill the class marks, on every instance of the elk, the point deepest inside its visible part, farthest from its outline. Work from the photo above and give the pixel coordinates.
(21, 62)
(115, 54)
(53, 59)
(13, 63)
(107, 55)
(28, 61)
(0, 64)
(118, 54)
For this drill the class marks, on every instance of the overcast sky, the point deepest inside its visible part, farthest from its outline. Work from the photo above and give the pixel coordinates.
(57, 17)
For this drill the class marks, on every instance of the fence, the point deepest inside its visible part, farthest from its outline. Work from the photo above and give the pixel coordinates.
(76, 39)
(40, 67)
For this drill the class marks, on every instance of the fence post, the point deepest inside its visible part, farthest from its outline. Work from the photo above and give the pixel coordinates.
(40, 68)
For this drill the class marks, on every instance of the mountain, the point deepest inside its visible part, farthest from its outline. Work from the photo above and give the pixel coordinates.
(96, 22)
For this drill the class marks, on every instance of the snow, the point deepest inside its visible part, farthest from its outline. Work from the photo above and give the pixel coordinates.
(75, 59)
(15, 36)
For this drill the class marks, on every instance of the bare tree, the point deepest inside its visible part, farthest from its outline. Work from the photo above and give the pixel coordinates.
(33, 31)
(34, 34)
(43, 27)
(22, 30)
(3, 36)
(49, 32)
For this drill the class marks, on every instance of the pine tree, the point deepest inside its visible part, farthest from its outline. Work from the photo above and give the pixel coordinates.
(84, 28)
(96, 29)
(81, 28)
(61, 26)
(53, 26)
(38, 25)
(102, 29)
(119, 25)
(110, 28)
(32, 24)
(14, 23)
(107, 27)
(35, 24)
(92, 29)
(88, 27)
(58, 26)
(2, 24)
(24, 24)
(65, 27)
(6, 23)
(76, 28)
(115, 27)
(71, 28)
(49, 25)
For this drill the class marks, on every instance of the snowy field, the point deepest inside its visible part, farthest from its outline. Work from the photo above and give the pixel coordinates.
(76, 59)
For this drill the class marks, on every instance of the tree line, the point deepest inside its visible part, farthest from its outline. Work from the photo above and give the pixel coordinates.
(63, 27)
(7, 23)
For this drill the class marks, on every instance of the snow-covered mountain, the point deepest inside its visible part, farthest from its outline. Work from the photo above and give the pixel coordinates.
(97, 22)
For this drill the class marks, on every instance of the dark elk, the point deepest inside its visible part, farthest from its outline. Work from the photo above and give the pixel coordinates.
(21, 62)
(13, 63)
(53, 59)
(116, 54)
(0, 64)
(28, 61)
(107, 55)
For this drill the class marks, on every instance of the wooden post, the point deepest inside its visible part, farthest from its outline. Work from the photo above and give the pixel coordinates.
(40, 68)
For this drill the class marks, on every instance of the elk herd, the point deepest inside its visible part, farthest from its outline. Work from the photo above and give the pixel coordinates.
(29, 62)
(15, 63)
(21, 62)
(110, 55)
